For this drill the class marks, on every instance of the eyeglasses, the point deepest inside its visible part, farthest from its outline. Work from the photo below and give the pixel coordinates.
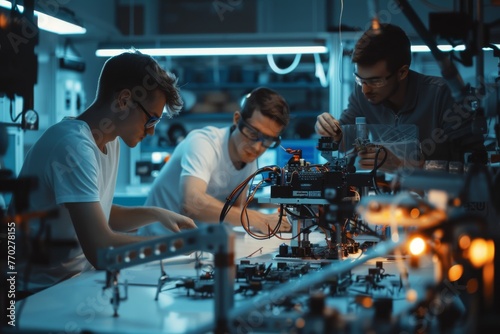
(256, 136)
(152, 120)
(372, 82)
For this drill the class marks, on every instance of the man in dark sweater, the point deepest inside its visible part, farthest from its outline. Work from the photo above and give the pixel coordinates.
(388, 92)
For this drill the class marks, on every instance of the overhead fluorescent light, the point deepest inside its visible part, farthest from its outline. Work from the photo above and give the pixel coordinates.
(444, 48)
(51, 23)
(55, 25)
(220, 51)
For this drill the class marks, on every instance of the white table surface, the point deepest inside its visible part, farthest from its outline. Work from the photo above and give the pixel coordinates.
(80, 304)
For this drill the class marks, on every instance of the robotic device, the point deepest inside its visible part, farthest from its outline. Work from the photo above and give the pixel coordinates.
(216, 239)
(322, 196)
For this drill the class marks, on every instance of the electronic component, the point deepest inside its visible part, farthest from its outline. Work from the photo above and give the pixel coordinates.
(322, 196)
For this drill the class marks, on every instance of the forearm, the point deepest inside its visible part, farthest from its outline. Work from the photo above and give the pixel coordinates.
(211, 209)
(93, 231)
(125, 219)
(208, 209)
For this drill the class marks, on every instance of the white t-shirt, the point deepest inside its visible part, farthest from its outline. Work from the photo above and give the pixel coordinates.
(204, 153)
(70, 168)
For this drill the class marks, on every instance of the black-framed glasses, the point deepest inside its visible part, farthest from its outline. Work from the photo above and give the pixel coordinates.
(256, 136)
(372, 82)
(152, 120)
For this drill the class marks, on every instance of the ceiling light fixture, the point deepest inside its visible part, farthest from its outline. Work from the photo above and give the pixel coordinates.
(51, 23)
(444, 48)
(219, 51)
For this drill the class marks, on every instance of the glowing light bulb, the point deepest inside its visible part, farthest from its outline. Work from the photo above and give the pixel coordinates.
(417, 246)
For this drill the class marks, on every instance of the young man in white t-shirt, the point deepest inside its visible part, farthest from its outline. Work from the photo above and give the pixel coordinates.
(76, 164)
(210, 162)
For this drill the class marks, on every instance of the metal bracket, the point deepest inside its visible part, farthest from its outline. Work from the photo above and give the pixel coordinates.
(215, 239)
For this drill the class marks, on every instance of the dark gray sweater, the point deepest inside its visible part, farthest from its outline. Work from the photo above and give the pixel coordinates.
(445, 129)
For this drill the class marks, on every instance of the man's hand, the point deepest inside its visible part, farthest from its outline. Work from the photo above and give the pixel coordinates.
(367, 158)
(174, 221)
(327, 126)
(267, 222)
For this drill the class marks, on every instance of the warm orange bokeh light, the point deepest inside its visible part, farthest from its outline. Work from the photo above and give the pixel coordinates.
(364, 301)
(455, 272)
(300, 323)
(414, 213)
(411, 295)
(417, 246)
(4, 21)
(481, 252)
(464, 241)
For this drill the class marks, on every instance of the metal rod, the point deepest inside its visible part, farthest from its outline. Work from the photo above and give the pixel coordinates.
(479, 49)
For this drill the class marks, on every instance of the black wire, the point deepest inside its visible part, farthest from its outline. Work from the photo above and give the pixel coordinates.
(272, 232)
(311, 216)
(231, 199)
(377, 166)
(381, 148)
(311, 211)
(228, 205)
(11, 111)
(306, 230)
(363, 227)
(276, 229)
